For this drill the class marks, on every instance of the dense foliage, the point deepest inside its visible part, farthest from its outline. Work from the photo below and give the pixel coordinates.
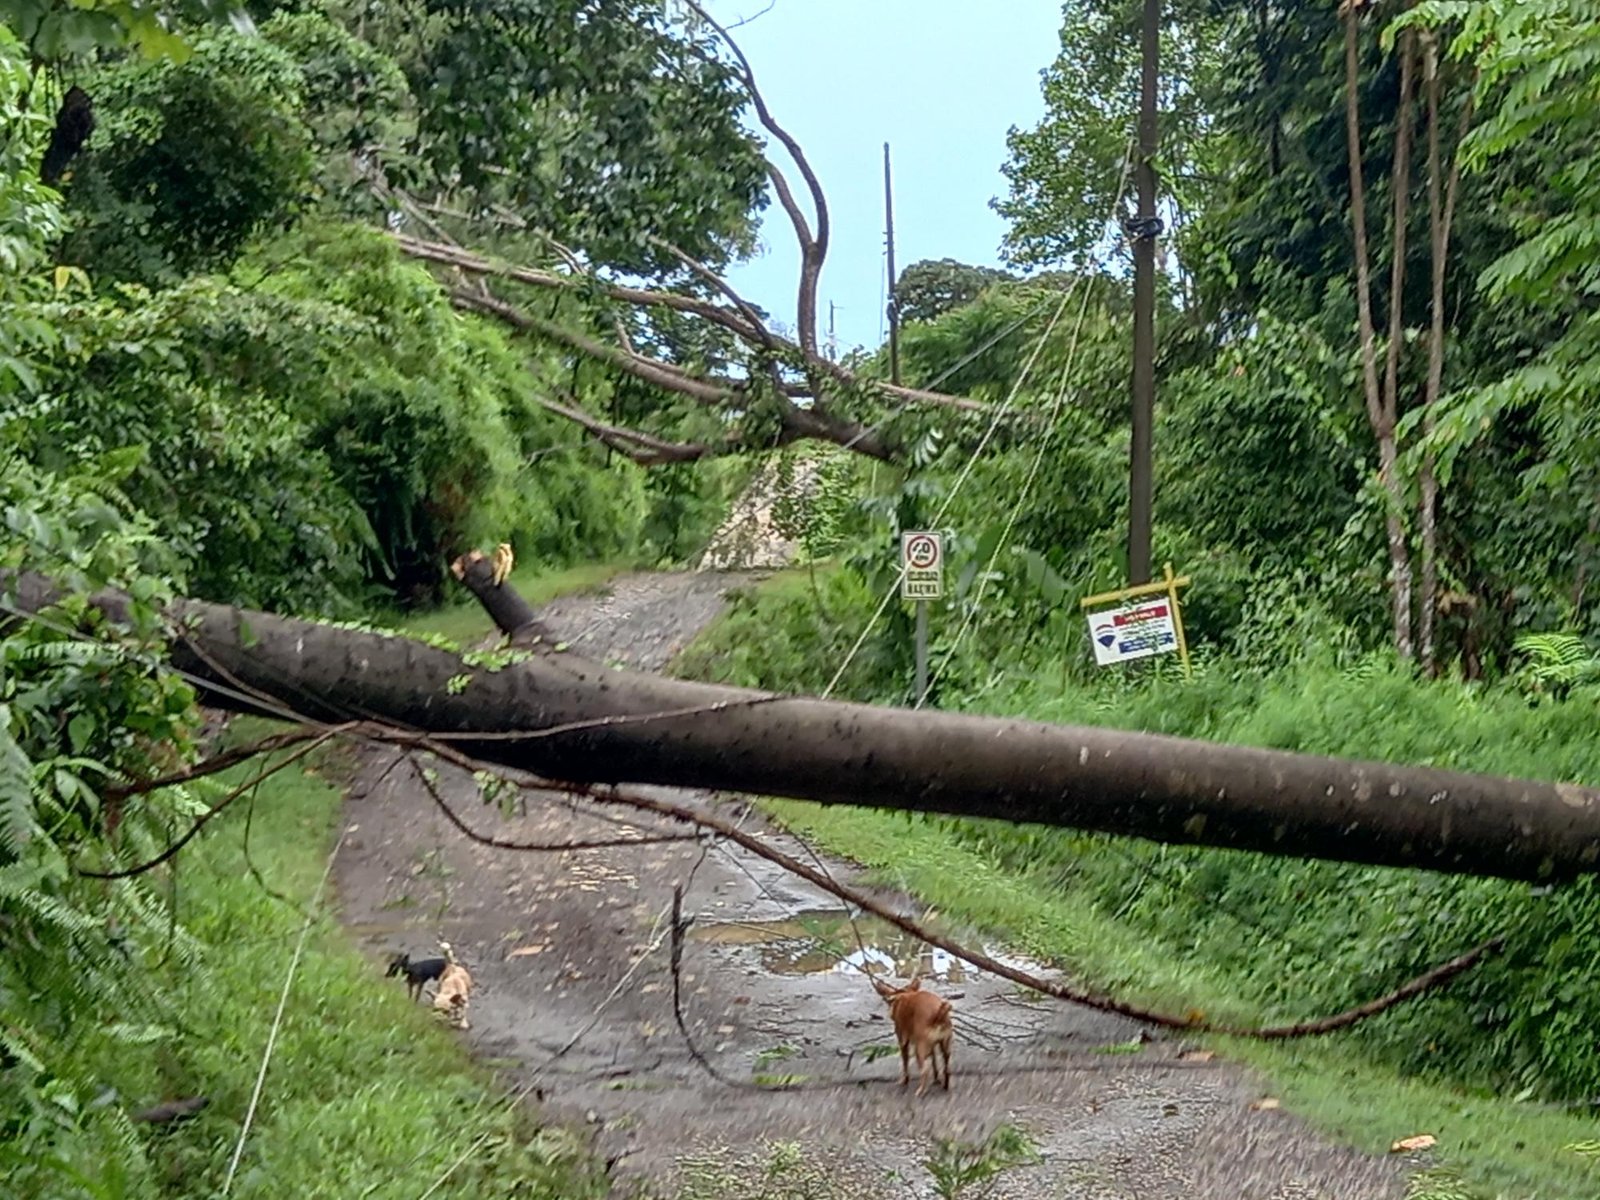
(220, 378)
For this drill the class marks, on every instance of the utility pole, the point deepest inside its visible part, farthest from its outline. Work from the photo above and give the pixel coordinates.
(1144, 229)
(894, 306)
(894, 375)
(833, 337)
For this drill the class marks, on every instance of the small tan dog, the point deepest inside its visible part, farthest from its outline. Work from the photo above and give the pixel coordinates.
(921, 1022)
(455, 985)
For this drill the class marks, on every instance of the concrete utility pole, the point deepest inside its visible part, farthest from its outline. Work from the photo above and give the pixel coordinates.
(1144, 229)
(894, 306)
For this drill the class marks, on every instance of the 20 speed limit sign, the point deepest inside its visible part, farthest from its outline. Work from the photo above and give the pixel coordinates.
(922, 565)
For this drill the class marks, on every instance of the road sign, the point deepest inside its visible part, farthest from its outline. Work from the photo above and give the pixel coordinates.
(922, 566)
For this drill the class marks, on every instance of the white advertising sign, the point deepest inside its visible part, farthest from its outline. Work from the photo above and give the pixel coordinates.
(1132, 631)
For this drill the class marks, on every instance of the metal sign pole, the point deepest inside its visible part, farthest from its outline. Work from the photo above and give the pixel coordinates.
(921, 580)
(922, 653)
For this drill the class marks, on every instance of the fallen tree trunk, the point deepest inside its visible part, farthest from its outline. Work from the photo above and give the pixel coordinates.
(566, 718)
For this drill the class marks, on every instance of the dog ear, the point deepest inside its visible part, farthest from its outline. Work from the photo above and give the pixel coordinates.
(883, 989)
(916, 983)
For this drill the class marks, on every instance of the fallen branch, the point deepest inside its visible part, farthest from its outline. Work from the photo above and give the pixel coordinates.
(1174, 790)
(477, 264)
(742, 321)
(217, 809)
(680, 926)
(210, 766)
(1429, 980)
(484, 839)
(1193, 1023)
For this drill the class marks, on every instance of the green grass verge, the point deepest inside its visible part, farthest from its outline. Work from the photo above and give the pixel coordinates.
(1504, 1150)
(367, 1096)
(465, 623)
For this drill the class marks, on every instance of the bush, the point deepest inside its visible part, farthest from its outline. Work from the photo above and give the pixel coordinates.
(189, 160)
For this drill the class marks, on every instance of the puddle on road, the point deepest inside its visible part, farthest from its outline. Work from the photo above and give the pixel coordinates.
(822, 942)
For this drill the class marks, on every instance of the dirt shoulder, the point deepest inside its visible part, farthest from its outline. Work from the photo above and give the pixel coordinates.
(575, 1002)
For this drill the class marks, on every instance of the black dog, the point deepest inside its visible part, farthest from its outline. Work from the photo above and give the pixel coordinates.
(417, 973)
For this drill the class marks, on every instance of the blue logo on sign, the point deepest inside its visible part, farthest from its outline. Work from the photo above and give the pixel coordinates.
(1105, 633)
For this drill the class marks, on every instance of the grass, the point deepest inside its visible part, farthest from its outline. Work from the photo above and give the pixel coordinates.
(1506, 1151)
(368, 1096)
(465, 623)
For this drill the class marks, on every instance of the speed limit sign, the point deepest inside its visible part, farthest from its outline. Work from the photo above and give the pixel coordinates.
(921, 565)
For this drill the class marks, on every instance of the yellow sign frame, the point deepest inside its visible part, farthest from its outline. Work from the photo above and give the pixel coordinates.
(1168, 585)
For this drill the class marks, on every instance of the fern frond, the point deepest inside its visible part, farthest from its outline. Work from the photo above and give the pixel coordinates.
(57, 654)
(18, 819)
(1557, 658)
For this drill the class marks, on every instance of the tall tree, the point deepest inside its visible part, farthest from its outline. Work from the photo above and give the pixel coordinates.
(1382, 397)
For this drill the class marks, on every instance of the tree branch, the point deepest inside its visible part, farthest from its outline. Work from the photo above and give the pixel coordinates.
(650, 370)
(813, 248)
(744, 324)
(1400, 186)
(641, 448)
(795, 422)
(477, 264)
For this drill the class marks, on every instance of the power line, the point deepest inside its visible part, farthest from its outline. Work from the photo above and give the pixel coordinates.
(1051, 434)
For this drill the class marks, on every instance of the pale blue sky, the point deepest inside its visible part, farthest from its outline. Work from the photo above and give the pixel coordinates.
(941, 81)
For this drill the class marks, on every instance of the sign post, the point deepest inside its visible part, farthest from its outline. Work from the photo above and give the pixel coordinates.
(921, 579)
(1146, 620)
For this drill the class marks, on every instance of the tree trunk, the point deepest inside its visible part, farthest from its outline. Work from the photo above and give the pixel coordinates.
(1388, 449)
(1382, 408)
(566, 718)
(1441, 213)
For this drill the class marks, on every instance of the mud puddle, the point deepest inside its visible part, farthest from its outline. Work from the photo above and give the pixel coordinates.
(836, 941)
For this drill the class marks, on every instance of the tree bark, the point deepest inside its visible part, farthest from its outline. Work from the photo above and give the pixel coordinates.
(569, 719)
(1388, 447)
(1441, 213)
(1381, 407)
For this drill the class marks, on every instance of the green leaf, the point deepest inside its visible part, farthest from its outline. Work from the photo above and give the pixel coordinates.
(80, 730)
(17, 825)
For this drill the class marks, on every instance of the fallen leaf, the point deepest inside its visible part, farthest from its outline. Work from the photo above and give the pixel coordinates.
(525, 951)
(1265, 1104)
(1420, 1141)
(725, 1029)
(1196, 1056)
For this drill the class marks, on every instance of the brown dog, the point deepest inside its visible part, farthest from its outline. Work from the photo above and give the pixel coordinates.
(921, 1022)
(455, 985)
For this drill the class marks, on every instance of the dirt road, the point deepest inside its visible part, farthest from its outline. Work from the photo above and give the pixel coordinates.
(571, 955)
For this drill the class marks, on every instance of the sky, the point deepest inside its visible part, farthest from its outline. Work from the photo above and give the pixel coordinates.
(941, 81)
